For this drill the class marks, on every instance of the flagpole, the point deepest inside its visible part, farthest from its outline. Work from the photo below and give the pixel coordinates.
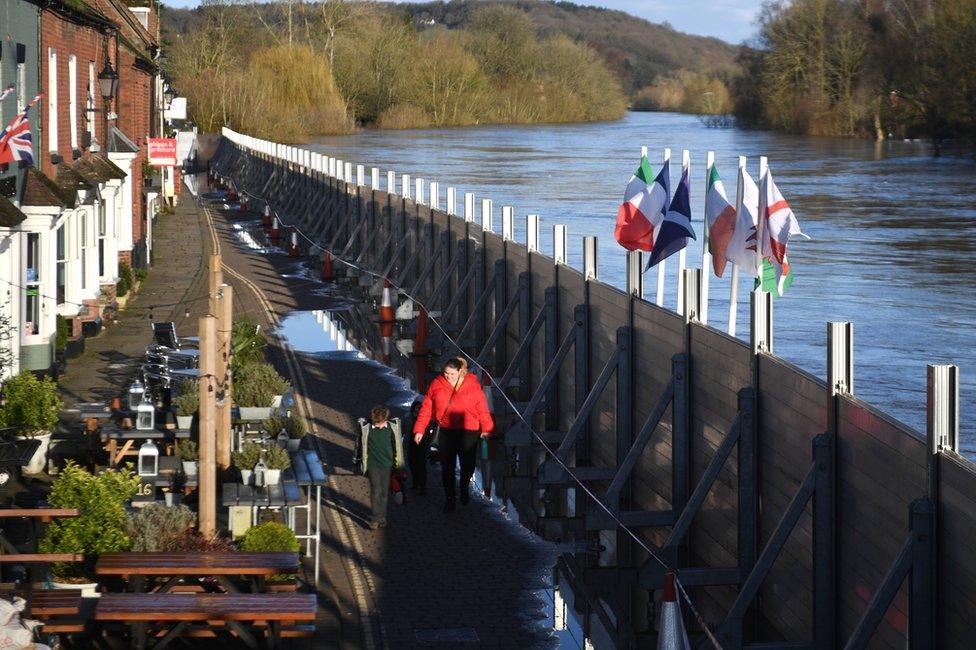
(660, 265)
(682, 254)
(761, 220)
(734, 289)
(706, 254)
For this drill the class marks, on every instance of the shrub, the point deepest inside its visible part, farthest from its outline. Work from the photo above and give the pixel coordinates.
(256, 385)
(293, 425)
(276, 458)
(141, 274)
(125, 280)
(189, 451)
(30, 403)
(155, 527)
(187, 400)
(192, 540)
(61, 342)
(247, 456)
(270, 537)
(247, 344)
(101, 526)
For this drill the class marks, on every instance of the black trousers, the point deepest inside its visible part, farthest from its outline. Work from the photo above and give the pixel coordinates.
(417, 460)
(457, 444)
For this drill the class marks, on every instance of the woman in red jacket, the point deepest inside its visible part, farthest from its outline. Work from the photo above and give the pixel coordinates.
(458, 404)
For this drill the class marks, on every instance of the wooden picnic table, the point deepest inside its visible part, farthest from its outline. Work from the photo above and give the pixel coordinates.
(136, 567)
(169, 616)
(10, 554)
(112, 435)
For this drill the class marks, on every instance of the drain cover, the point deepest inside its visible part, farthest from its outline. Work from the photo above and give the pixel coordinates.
(447, 635)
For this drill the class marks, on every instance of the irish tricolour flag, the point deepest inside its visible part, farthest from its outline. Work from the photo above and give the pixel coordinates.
(645, 204)
(721, 220)
(779, 224)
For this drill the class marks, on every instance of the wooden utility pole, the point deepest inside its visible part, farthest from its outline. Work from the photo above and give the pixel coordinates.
(207, 476)
(216, 278)
(225, 321)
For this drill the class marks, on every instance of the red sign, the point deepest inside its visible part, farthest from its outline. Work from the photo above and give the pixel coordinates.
(162, 152)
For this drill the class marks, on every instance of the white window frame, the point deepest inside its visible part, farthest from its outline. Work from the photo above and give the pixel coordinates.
(73, 99)
(52, 100)
(90, 100)
(21, 87)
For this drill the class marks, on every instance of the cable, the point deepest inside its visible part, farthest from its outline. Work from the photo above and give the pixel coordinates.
(549, 451)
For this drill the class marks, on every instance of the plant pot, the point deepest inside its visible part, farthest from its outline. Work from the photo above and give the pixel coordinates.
(39, 460)
(294, 444)
(272, 476)
(246, 475)
(287, 586)
(88, 589)
(184, 422)
(254, 412)
(190, 467)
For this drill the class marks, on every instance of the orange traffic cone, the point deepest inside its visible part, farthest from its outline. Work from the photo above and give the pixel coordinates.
(420, 342)
(232, 193)
(327, 273)
(671, 634)
(275, 232)
(386, 307)
(386, 331)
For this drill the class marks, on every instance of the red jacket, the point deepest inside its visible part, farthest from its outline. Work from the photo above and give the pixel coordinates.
(467, 410)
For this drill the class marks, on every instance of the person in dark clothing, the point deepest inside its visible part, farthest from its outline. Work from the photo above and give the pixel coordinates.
(457, 402)
(380, 451)
(416, 452)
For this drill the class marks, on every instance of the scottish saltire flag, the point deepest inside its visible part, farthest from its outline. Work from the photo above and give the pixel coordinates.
(634, 230)
(643, 209)
(742, 249)
(15, 140)
(676, 228)
(721, 221)
(779, 224)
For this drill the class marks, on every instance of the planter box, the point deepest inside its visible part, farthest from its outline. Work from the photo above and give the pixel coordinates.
(257, 413)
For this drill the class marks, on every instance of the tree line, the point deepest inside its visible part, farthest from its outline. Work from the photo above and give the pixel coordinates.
(866, 68)
(290, 70)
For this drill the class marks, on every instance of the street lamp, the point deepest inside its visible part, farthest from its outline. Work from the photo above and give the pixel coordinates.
(108, 83)
(169, 95)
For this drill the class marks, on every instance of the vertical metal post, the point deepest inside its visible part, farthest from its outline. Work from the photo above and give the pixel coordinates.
(693, 297)
(840, 362)
(360, 175)
(486, 210)
(419, 194)
(374, 178)
(451, 200)
(581, 367)
(391, 183)
(525, 319)
(590, 268)
(508, 223)
(560, 245)
(532, 232)
(435, 195)
(347, 176)
(681, 438)
(922, 589)
(623, 544)
(405, 186)
(748, 488)
(551, 343)
(942, 408)
(824, 527)
(761, 323)
(501, 300)
(635, 274)
(469, 207)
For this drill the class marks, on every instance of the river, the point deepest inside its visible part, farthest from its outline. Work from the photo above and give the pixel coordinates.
(893, 230)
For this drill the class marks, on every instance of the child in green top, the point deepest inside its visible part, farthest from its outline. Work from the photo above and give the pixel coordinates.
(381, 450)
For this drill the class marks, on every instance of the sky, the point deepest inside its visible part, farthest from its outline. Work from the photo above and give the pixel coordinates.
(729, 20)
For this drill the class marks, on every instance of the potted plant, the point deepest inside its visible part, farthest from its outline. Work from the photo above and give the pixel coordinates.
(32, 405)
(189, 455)
(275, 460)
(272, 537)
(247, 344)
(155, 526)
(254, 389)
(293, 425)
(100, 528)
(187, 402)
(245, 458)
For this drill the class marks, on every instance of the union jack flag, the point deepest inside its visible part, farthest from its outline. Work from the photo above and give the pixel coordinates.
(15, 140)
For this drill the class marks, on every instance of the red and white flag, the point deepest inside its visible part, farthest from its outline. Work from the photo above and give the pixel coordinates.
(15, 140)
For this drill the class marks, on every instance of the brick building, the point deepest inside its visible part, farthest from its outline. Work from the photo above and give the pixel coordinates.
(68, 220)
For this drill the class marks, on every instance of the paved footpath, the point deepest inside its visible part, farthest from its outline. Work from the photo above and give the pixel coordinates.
(427, 575)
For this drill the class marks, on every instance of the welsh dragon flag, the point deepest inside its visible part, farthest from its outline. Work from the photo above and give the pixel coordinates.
(721, 221)
(779, 224)
(645, 204)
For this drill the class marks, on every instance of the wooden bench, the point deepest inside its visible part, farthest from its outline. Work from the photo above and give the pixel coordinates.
(58, 609)
(168, 616)
(137, 567)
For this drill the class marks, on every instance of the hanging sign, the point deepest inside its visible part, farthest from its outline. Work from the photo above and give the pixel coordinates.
(162, 152)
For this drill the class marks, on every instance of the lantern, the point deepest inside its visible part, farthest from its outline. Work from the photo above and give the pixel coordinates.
(283, 439)
(136, 392)
(148, 459)
(260, 472)
(145, 415)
